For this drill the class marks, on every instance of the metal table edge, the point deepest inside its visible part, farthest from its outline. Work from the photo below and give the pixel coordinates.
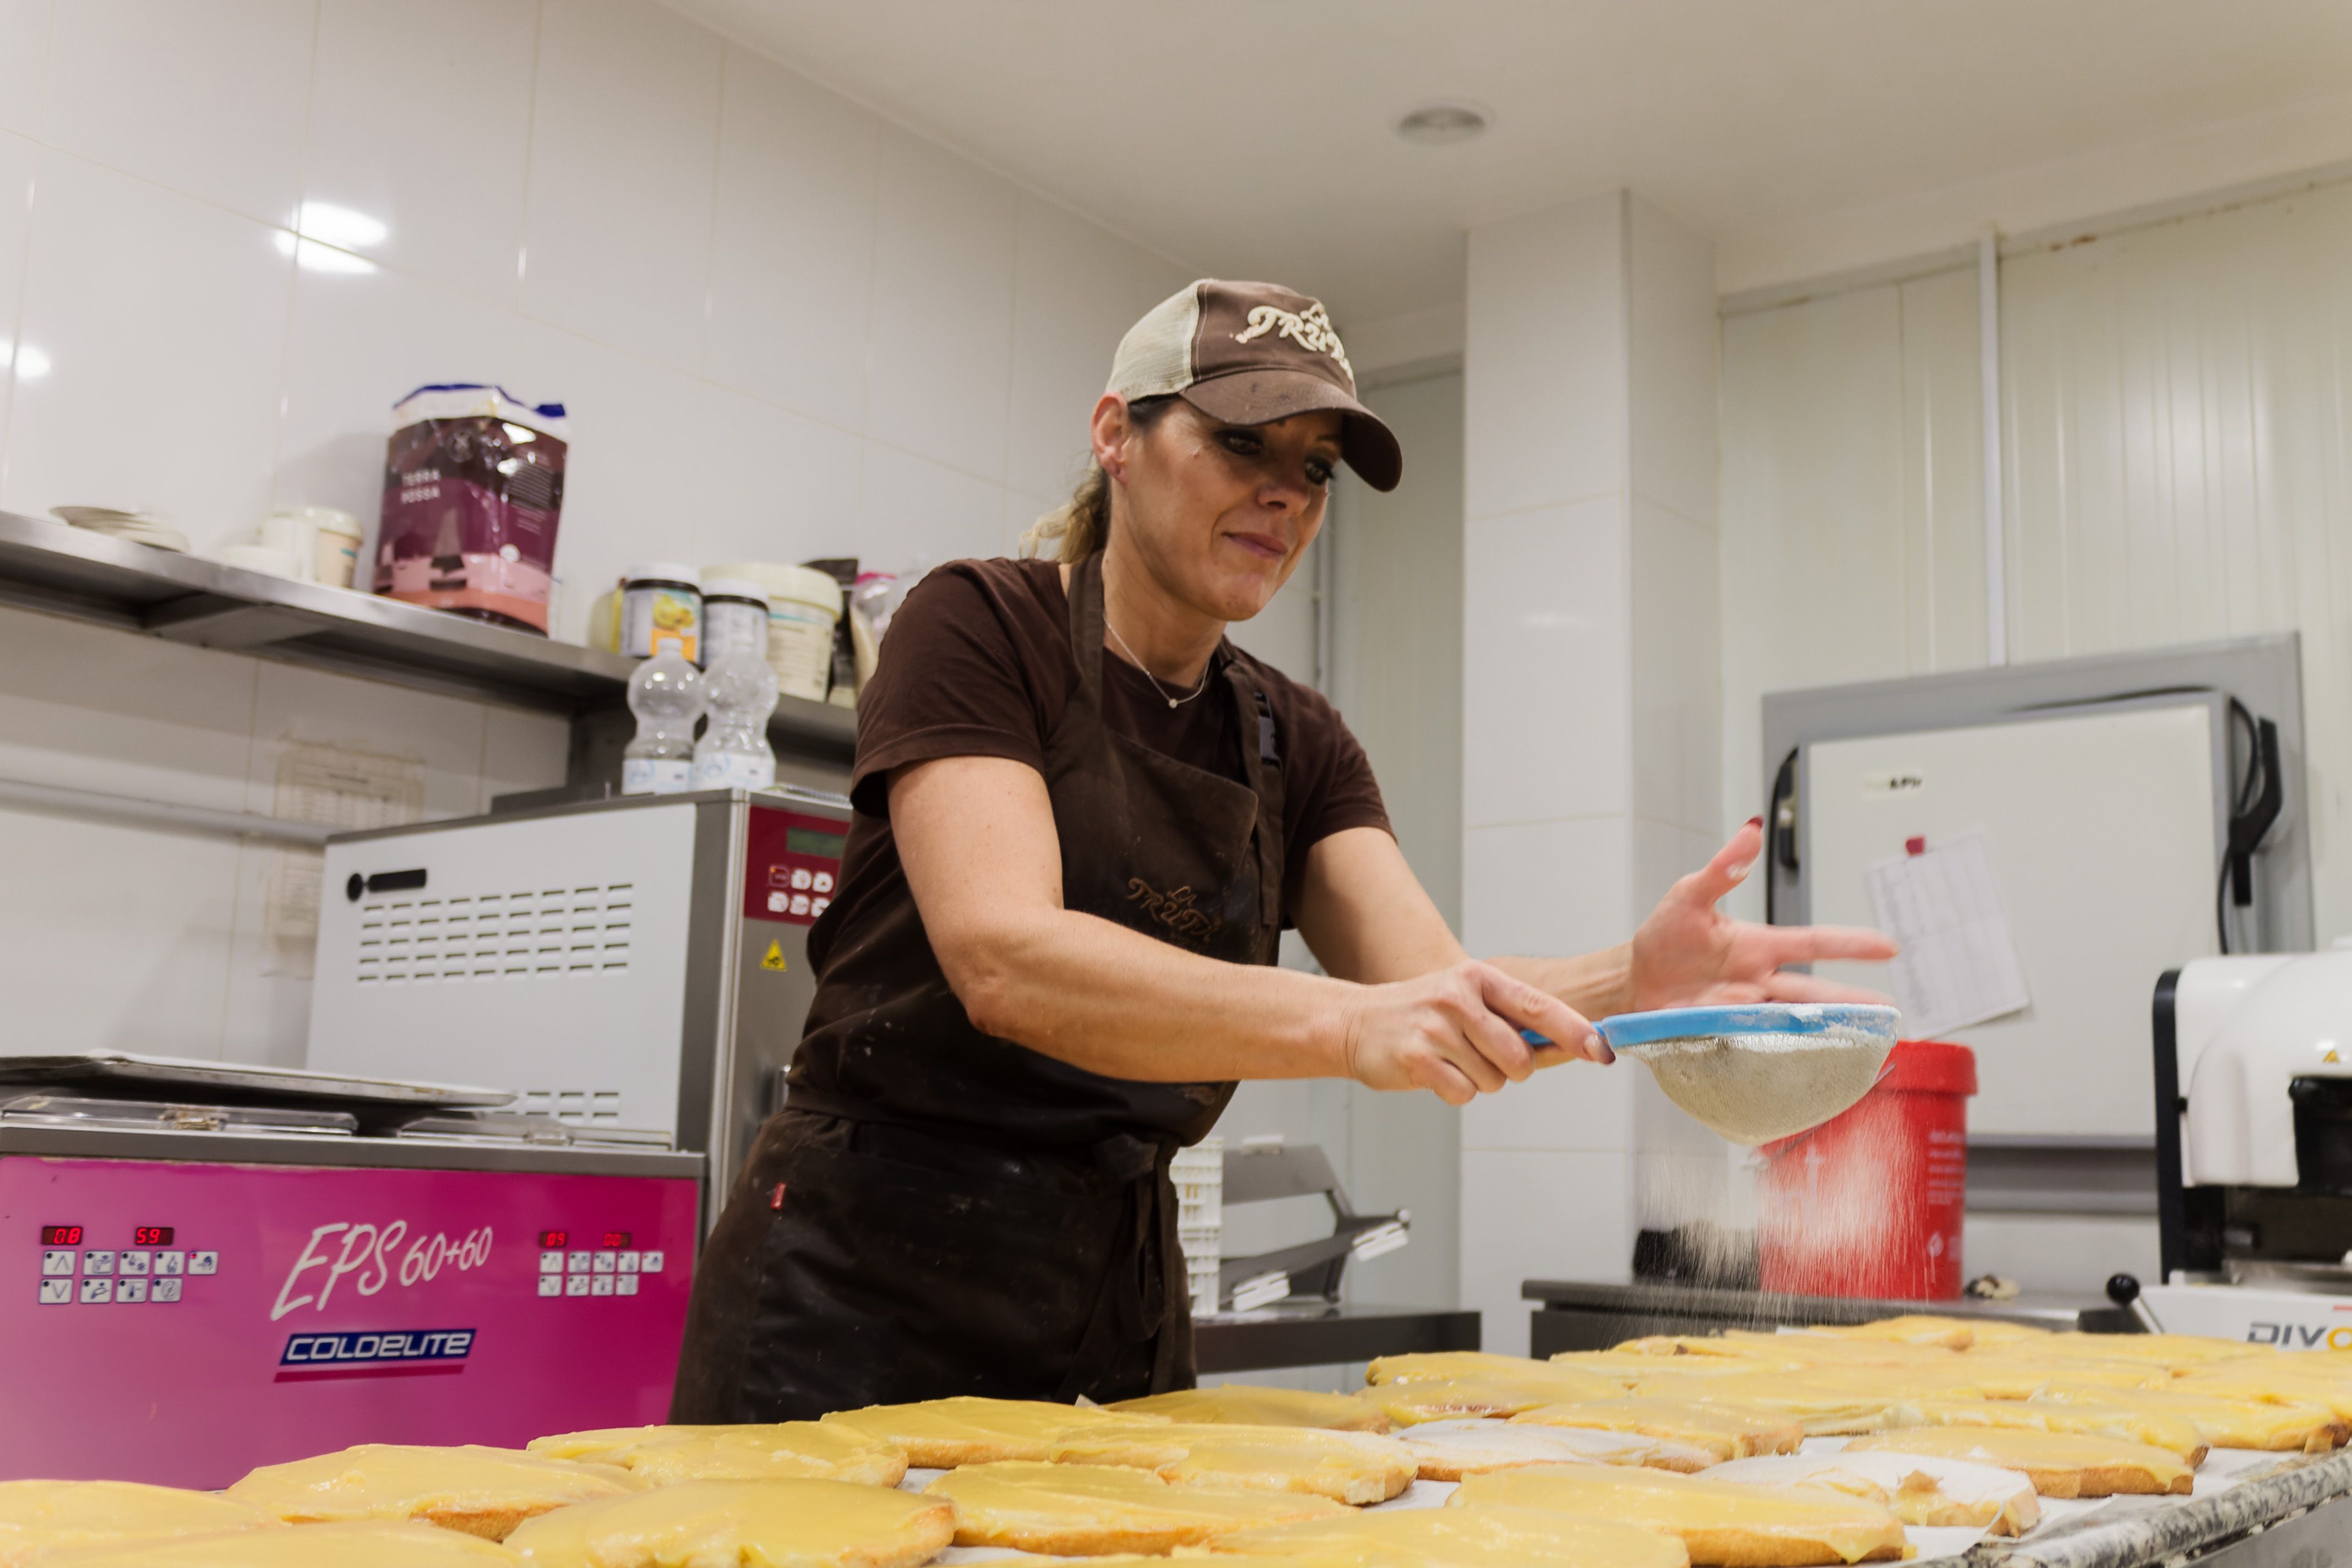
(355, 1153)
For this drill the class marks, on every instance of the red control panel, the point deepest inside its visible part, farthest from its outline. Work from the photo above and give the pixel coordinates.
(793, 866)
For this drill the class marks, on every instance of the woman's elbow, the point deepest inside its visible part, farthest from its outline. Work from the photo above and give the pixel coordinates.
(985, 973)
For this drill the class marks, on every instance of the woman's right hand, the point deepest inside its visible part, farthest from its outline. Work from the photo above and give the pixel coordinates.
(1455, 1033)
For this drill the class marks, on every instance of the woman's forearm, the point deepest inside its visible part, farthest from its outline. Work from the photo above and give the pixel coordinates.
(1596, 984)
(1095, 995)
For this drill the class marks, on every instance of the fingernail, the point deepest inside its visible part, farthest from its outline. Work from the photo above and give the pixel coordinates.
(1597, 1049)
(1754, 821)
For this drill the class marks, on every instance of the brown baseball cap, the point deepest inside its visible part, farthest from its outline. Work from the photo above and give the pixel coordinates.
(1250, 354)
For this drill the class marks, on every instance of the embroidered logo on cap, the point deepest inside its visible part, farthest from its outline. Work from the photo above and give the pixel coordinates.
(1310, 330)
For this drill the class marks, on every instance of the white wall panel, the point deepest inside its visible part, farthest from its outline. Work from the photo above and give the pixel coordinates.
(705, 257)
(1851, 544)
(205, 99)
(624, 171)
(420, 122)
(2177, 411)
(2176, 431)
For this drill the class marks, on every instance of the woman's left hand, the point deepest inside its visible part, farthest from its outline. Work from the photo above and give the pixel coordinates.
(1689, 954)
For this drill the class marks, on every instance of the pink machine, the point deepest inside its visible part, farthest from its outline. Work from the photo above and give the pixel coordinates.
(199, 1289)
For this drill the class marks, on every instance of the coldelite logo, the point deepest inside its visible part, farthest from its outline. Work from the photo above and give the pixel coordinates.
(378, 1347)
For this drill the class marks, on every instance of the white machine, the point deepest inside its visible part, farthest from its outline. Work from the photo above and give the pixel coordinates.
(630, 964)
(2254, 1106)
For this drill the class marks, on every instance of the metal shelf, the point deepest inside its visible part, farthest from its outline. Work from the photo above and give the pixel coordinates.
(59, 570)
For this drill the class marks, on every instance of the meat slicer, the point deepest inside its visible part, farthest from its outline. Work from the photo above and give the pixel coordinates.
(2253, 1116)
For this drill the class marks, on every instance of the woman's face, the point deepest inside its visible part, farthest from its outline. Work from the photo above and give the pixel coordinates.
(1218, 513)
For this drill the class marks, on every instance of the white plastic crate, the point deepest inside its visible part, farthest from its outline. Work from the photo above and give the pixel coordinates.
(1201, 1279)
(1198, 1174)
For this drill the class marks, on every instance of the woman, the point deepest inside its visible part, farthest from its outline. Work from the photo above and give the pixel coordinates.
(1083, 819)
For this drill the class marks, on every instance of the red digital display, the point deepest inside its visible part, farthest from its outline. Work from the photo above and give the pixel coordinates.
(553, 1237)
(61, 1236)
(616, 1238)
(150, 1236)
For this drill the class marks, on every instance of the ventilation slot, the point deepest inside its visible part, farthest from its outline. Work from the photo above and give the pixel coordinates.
(581, 1106)
(577, 932)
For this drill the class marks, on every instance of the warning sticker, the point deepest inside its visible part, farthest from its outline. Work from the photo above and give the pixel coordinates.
(774, 958)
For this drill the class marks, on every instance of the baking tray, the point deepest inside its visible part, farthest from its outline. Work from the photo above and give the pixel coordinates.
(122, 1069)
(2242, 1504)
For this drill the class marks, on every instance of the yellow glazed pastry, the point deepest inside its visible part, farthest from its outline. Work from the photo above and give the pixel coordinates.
(1911, 1329)
(1346, 1467)
(1827, 1402)
(1089, 1509)
(2221, 1422)
(360, 1543)
(1720, 1524)
(1245, 1405)
(788, 1450)
(1429, 1366)
(2177, 1354)
(2155, 1428)
(941, 1433)
(1630, 1367)
(1480, 1394)
(805, 1524)
(1450, 1451)
(1921, 1489)
(2289, 1379)
(1725, 1431)
(482, 1491)
(1459, 1538)
(2060, 1464)
(1766, 1357)
(37, 1516)
(1828, 1349)
(2021, 1372)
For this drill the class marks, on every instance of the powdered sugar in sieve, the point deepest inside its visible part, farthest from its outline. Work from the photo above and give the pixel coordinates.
(1762, 1071)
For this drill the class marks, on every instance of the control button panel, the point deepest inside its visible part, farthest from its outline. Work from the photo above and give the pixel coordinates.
(75, 1272)
(610, 1267)
(791, 865)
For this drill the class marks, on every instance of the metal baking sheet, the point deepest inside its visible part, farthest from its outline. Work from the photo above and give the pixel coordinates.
(285, 1083)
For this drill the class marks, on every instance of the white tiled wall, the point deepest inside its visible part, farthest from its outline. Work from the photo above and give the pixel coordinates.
(785, 328)
(1590, 685)
(232, 234)
(136, 939)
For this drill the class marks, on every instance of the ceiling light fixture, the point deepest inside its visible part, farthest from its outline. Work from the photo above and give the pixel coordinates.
(1436, 124)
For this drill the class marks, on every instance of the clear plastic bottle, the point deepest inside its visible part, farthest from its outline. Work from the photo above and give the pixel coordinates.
(739, 691)
(667, 695)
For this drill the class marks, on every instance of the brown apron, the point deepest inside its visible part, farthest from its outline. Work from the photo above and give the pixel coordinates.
(937, 1211)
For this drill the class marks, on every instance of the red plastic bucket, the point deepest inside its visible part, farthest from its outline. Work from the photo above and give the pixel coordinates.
(1870, 1203)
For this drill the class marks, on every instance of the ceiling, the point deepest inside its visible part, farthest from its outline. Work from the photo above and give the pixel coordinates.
(1253, 138)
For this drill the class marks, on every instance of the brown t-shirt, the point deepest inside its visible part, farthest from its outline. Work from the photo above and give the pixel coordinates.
(978, 663)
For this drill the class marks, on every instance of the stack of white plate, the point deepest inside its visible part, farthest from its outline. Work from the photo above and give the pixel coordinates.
(138, 527)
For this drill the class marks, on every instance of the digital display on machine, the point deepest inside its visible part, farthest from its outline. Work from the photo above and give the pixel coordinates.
(61, 1236)
(809, 841)
(615, 1238)
(553, 1237)
(151, 1235)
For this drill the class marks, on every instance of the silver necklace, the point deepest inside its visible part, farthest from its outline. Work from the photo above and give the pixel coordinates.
(1139, 664)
